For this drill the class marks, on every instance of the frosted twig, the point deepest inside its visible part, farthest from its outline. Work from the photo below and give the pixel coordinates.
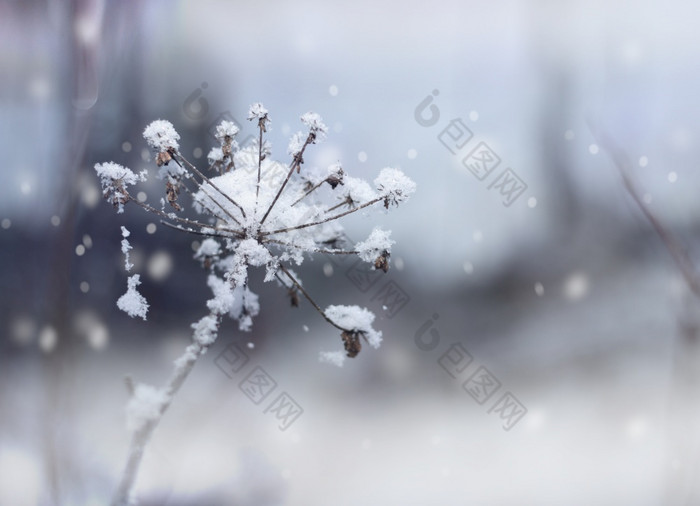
(674, 247)
(267, 240)
(208, 181)
(326, 220)
(308, 297)
(296, 164)
(141, 437)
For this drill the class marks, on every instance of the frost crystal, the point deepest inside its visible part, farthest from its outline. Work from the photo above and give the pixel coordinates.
(132, 302)
(145, 406)
(161, 136)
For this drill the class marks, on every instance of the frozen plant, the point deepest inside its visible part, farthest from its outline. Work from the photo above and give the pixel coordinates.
(253, 211)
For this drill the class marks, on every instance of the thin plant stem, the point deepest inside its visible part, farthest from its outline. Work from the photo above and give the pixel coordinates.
(166, 216)
(308, 193)
(261, 126)
(201, 232)
(296, 163)
(344, 202)
(208, 181)
(141, 437)
(314, 250)
(320, 222)
(678, 252)
(308, 297)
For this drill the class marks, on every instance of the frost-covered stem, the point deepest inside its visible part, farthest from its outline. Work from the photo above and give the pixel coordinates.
(232, 164)
(166, 216)
(344, 202)
(308, 193)
(331, 218)
(308, 297)
(261, 126)
(226, 212)
(142, 436)
(678, 252)
(312, 250)
(199, 232)
(295, 166)
(208, 181)
(203, 190)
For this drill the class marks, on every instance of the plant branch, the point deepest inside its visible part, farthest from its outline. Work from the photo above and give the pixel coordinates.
(141, 437)
(207, 180)
(308, 193)
(320, 222)
(308, 297)
(313, 250)
(347, 201)
(674, 247)
(296, 164)
(200, 232)
(261, 127)
(165, 215)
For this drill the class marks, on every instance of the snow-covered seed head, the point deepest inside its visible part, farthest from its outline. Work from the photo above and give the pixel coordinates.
(376, 248)
(351, 342)
(394, 185)
(259, 212)
(317, 128)
(162, 137)
(115, 180)
(335, 175)
(258, 111)
(382, 262)
(225, 132)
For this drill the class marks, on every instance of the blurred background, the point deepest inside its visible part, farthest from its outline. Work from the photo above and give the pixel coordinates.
(547, 275)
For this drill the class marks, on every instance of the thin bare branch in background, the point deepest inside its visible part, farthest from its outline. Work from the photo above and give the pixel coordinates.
(675, 248)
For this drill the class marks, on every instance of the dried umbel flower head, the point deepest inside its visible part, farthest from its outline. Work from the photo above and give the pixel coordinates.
(258, 212)
(115, 181)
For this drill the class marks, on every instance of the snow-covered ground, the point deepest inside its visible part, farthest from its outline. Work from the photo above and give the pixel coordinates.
(390, 427)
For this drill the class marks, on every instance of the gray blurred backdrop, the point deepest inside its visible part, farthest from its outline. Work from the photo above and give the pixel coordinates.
(558, 289)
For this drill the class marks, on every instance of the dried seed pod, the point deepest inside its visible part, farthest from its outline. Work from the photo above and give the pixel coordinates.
(336, 178)
(163, 158)
(351, 341)
(172, 191)
(294, 297)
(382, 262)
